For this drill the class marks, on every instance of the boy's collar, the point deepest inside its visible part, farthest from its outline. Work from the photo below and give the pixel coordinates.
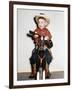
(42, 29)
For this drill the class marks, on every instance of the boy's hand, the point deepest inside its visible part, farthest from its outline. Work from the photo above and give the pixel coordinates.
(46, 38)
(36, 36)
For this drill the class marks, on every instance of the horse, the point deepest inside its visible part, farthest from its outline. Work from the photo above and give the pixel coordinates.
(40, 62)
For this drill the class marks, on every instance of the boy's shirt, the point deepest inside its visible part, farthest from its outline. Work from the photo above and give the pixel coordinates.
(42, 32)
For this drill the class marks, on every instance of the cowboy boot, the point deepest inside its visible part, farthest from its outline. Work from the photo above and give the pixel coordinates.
(47, 72)
(33, 71)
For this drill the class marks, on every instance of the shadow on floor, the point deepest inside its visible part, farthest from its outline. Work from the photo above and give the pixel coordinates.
(54, 75)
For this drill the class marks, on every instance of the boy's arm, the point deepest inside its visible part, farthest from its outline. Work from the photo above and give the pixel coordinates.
(36, 32)
(36, 36)
(48, 34)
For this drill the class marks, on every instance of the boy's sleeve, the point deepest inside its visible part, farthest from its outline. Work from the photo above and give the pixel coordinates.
(36, 31)
(49, 35)
(36, 40)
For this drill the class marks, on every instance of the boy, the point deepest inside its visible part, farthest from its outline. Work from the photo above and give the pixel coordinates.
(42, 22)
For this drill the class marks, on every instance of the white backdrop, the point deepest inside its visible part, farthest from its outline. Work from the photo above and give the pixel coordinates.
(25, 44)
(4, 46)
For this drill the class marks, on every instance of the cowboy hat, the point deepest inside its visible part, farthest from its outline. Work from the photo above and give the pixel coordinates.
(43, 16)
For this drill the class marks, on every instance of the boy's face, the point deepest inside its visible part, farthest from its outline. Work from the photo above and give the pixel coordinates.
(42, 23)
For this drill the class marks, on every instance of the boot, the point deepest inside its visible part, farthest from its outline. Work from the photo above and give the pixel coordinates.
(47, 72)
(33, 71)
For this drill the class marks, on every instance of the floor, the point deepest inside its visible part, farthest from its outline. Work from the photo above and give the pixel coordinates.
(54, 75)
